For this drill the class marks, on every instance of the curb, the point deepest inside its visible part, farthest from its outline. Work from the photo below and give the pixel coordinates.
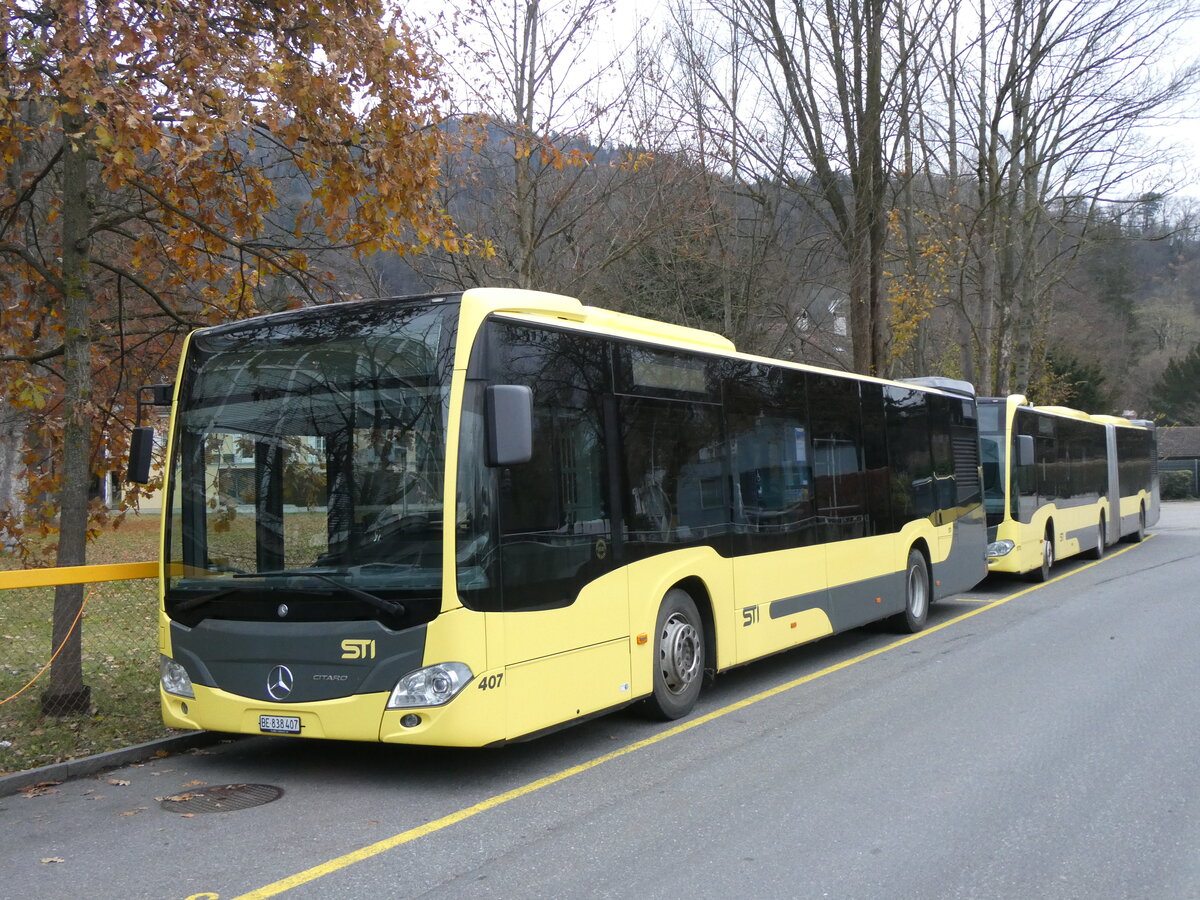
(90, 765)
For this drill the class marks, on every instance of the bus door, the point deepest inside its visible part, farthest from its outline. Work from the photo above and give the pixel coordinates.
(676, 499)
(779, 571)
(852, 497)
(563, 601)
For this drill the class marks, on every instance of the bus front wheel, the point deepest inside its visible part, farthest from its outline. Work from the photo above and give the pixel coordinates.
(1042, 572)
(1097, 552)
(1136, 537)
(678, 657)
(916, 595)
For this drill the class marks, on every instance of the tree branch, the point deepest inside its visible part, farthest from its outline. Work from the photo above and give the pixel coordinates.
(145, 289)
(20, 250)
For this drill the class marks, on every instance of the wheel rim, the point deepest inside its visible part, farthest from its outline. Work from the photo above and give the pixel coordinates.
(678, 653)
(918, 591)
(1047, 554)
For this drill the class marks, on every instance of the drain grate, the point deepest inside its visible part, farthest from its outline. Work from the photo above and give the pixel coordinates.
(222, 798)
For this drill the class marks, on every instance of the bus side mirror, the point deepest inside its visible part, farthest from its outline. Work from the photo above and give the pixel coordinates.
(141, 447)
(141, 441)
(1025, 450)
(509, 424)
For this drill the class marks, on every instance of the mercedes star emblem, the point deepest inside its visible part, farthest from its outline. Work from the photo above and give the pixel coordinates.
(279, 684)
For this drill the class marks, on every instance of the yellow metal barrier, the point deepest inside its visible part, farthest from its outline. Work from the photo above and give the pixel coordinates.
(27, 578)
(33, 578)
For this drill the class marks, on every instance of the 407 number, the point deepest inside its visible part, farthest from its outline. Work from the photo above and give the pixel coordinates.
(491, 682)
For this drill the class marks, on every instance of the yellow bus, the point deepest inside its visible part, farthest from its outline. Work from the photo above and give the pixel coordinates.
(472, 518)
(1058, 482)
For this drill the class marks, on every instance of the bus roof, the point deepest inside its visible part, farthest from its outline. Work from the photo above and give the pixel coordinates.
(546, 307)
(557, 306)
(1065, 411)
(949, 385)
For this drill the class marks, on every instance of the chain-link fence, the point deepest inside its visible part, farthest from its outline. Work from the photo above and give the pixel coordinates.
(78, 671)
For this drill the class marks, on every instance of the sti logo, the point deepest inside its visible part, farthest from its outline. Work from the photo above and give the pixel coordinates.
(354, 648)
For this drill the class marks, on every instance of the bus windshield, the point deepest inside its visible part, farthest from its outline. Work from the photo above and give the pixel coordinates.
(992, 449)
(308, 467)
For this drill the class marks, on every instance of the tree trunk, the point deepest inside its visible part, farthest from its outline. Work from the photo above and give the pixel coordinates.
(525, 184)
(13, 422)
(67, 693)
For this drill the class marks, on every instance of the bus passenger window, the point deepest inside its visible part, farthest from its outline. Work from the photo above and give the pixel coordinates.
(909, 454)
(554, 526)
(838, 465)
(677, 474)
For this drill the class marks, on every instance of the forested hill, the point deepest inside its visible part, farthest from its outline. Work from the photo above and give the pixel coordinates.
(657, 234)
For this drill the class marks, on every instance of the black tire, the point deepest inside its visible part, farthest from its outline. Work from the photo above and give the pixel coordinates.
(678, 657)
(1097, 552)
(917, 595)
(1042, 573)
(1140, 535)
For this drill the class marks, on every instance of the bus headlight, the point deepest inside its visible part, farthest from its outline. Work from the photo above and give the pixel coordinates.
(431, 686)
(174, 677)
(1000, 548)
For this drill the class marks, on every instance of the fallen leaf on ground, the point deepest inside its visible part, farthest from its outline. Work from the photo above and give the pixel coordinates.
(42, 787)
(119, 782)
(52, 859)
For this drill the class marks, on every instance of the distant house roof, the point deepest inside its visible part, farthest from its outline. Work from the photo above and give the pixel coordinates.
(1179, 442)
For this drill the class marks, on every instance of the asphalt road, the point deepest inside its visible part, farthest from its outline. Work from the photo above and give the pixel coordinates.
(1034, 742)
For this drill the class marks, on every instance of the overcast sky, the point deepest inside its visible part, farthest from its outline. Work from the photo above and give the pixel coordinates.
(1182, 133)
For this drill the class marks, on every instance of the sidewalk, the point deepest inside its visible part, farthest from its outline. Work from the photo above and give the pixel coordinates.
(90, 765)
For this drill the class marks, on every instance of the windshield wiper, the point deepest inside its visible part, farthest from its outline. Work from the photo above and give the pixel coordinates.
(183, 606)
(391, 607)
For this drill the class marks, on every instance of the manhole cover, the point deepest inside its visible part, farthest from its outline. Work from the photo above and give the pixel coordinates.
(222, 798)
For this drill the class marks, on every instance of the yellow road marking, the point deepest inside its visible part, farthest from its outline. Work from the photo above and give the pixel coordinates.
(406, 837)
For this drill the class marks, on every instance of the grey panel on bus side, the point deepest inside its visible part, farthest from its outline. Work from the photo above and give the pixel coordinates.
(849, 605)
(1129, 523)
(1086, 536)
(239, 657)
(1112, 525)
(1154, 508)
(966, 565)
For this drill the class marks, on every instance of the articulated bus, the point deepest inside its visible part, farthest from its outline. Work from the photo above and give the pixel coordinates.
(467, 519)
(1058, 482)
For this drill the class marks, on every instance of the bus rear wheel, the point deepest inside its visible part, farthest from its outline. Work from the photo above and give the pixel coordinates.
(678, 657)
(916, 595)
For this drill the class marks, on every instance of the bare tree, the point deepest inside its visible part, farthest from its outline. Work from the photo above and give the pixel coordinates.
(822, 87)
(774, 275)
(1057, 91)
(553, 167)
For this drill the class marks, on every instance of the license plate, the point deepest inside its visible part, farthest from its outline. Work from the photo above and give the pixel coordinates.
(279, 724)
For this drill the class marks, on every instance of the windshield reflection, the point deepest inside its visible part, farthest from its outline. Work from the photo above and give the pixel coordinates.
(310, 450)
